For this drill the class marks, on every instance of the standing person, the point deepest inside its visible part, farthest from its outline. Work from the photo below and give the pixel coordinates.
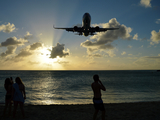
(97, 86)
(8, 96)
(18, 95)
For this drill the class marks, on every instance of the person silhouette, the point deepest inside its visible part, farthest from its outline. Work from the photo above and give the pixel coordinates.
(18, 95)
(8, 97)
(97, 86)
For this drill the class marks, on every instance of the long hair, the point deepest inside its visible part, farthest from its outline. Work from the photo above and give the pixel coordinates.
(7, 83)
(19, 81)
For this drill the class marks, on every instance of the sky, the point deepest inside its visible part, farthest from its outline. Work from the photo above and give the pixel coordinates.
(28, 40)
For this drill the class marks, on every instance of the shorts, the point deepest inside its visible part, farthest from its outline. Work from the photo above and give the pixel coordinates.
(98, 104)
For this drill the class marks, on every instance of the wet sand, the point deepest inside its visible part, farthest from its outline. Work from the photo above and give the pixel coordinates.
(114, 111)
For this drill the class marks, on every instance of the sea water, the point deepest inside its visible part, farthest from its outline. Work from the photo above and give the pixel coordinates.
(74, 87)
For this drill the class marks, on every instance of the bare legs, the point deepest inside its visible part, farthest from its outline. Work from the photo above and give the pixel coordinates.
(15, 108)
(22, 110)
(6, 106)
(10, 108)
(96, 112)
(103, 115)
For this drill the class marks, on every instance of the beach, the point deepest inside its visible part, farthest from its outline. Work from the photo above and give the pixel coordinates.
(114, 111)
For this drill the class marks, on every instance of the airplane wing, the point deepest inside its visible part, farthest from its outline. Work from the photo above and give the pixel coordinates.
(90, 31)
(67, 29)
(74, 29)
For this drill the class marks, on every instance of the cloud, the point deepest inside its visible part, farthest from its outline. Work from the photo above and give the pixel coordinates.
(13, 41)
(35, 45)
(103, 40)
(27, 51)
(61, 62)
(58, 50)
(107, 46)
(129, 46)
(102, 47)
(90, 50)
(7, 28)
(135, 37)
(153, 57)
(155, 37)
(123, 53)
(23, 53)
(110, 35)
(28, 35)
(141, 61)
(95, 55)
(148, 61)
(158, 21)
(110, 53)
(32, 63)
(10, 50)
(145, 3)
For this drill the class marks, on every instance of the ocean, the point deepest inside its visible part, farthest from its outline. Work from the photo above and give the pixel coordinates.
(74, 87)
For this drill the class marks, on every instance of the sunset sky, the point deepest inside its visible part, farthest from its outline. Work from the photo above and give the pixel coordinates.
(28, 40)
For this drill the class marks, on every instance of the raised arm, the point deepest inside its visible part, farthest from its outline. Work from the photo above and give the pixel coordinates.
(102, 86)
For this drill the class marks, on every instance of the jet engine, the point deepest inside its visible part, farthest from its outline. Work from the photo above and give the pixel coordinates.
(75, 28)
(97, 28)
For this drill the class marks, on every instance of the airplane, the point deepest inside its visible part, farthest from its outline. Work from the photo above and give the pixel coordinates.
(86, 28)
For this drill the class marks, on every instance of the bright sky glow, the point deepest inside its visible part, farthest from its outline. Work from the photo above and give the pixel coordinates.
(28, 40)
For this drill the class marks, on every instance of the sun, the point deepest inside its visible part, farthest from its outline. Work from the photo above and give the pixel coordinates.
(47, 63)
(45, 56)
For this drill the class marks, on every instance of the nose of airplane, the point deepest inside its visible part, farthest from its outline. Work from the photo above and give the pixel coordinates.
(86, 15)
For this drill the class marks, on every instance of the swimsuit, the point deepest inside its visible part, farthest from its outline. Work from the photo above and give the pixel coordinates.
(8, 95)
(98, 104)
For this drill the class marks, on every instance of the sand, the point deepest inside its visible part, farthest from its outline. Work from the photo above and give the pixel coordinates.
(114, 111)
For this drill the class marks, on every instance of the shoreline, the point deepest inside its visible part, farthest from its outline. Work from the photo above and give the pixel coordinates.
(27, 104)
(114, 111)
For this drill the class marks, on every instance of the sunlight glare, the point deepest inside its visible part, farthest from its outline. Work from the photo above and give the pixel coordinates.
(45, 53)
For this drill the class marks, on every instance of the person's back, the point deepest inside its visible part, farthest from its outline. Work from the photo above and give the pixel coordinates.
(21, 88)
(97, 86)
(9, 89)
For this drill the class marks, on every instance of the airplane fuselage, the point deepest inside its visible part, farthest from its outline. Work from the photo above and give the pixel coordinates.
(86, 21)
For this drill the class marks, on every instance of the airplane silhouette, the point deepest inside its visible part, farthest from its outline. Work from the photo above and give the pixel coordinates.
(86, 28)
